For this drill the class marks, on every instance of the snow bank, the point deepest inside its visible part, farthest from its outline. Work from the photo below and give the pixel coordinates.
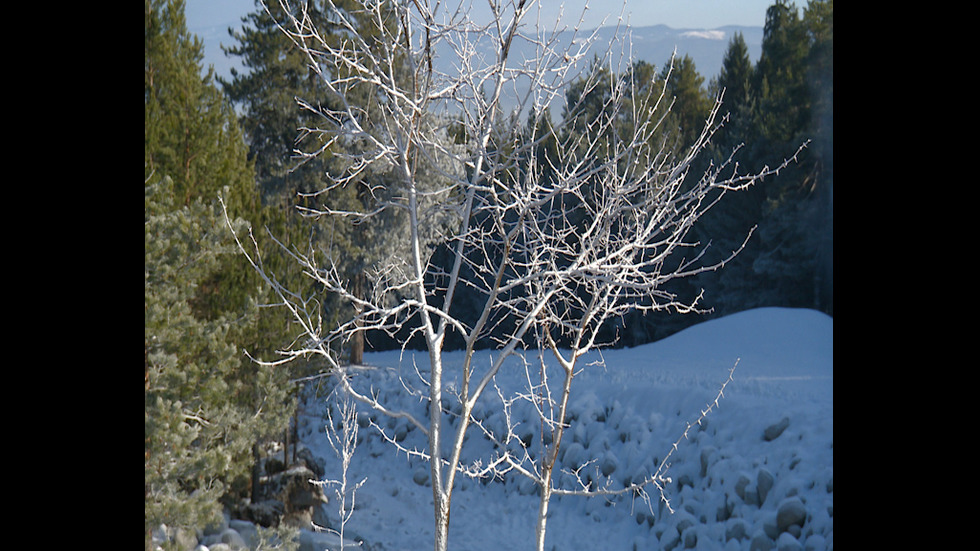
(757, 472)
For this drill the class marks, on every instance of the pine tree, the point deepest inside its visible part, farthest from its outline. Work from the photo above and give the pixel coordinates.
(691, 102)
(819, 18)
(191, 136)
(265, 93)
(194, 424)
(281, 100)
(788, 262)
(736, 72)
(730, 222)
(735, 83)
(186, 130)
(791, 225)
(203, 398)
(780, 74)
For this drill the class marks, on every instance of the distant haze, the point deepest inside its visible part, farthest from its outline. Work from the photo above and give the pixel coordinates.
(652, 44)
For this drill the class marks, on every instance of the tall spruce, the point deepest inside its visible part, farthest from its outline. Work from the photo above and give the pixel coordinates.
(789, 101)
(729, 223)
(186, 130)
(274, 76)
(794, 227)
(734, 82)
(780, 74)
(819, 18)
(686, 87)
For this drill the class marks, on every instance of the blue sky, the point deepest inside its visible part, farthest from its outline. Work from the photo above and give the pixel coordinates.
(698, 14)
(210, 19)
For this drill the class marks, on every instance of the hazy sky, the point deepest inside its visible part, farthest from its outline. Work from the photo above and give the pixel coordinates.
(210, 19)
(697, 14)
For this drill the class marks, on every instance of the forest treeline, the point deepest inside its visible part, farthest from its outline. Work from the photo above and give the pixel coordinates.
(211, 409)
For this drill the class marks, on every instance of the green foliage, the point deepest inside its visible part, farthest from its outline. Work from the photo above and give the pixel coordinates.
(788, 102)
(206, 404)
(736, 72)
(798, 206)
(691, 102)
(284, 106)
(191, 136)
(283, 103)
(780, 74)
(188, 125)
(734, 85)
(265, 94)
(195, 431)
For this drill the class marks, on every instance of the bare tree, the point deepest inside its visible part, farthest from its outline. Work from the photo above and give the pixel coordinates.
(553, 259)
(342, 436)
(552, 412)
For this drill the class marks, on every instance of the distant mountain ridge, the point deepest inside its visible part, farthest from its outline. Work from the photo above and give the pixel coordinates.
(706, 47)
(653, 44)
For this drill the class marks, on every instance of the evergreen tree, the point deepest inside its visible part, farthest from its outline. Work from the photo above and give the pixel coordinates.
(646, 89)
(691, 102)
(191, 136)
(639, 88)
(780, 75)
(282, 100)
(275, 76)
(794, 227)
(186, 118)
(736, 72)
(735, 83)
(788, 262)
(202, 398)
(729, 223)
(819, 18)
(196, 433)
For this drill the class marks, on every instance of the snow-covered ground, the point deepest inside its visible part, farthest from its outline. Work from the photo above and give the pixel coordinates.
(732, 488)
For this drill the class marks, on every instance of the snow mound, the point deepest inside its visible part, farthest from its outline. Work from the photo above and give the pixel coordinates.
(758, 471)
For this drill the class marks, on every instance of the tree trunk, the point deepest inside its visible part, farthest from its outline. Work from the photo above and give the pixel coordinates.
(539, 531)
(357, 348)
(285, 447)
(357, 339)
(550, 458)
(256, 473)
(442, 526)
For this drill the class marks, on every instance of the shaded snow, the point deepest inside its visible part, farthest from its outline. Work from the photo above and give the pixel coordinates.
(628, 412)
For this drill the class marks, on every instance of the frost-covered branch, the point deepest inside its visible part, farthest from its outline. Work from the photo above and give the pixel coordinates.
(342, 436)
(550, 229)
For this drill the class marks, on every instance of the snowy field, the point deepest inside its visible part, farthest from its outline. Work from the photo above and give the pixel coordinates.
(732, 487)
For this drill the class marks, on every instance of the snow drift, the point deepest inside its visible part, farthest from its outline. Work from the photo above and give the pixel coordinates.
(756, 474)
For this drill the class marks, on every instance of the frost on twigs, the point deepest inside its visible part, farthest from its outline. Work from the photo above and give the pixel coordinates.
(509, 229)
(342, 436)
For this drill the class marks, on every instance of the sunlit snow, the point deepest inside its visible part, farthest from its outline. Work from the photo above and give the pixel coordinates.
(728, 480)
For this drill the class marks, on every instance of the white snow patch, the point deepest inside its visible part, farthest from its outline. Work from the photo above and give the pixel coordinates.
(628, 414)
(710, 35)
